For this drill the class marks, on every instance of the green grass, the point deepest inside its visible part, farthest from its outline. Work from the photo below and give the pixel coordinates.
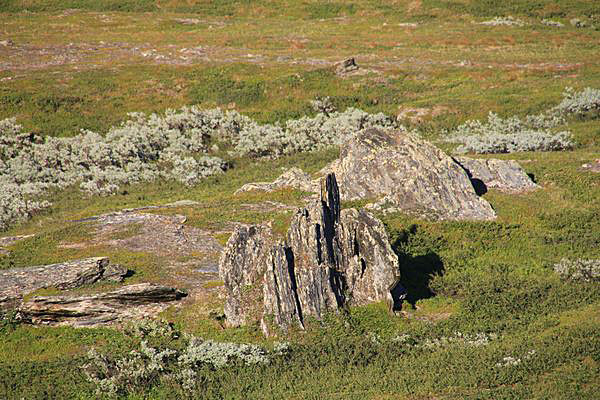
(472, 277)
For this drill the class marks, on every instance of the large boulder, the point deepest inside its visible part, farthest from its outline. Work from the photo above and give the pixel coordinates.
(402, 172)
(504, 175)
(329, 259)
(398, 171)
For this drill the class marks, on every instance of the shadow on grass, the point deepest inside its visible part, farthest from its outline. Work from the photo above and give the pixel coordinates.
(416, 272)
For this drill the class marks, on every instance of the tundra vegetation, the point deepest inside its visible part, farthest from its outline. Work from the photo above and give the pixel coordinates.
(106, 105)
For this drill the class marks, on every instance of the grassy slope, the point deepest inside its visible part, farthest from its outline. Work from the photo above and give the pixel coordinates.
(489, 277)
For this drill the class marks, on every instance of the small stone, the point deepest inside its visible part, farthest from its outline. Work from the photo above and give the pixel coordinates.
(7, 43)
(346, 66)
(593, 166)
(577, 23)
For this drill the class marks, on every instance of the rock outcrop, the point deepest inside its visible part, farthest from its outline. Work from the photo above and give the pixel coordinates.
(15, 283)
(165, 235)
(128, 302)
(345, 67)
(504, 175)
(293, 177)
(241, 267)
(593, 166)
(403, 172)
(330, 259)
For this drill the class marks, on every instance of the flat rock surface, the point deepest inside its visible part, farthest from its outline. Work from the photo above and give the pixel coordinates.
(123, 304)
(18, 282)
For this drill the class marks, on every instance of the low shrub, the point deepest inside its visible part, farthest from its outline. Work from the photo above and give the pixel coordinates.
(578, 270)
(173, 358)
(580, 103)
(178, 145)
(532, 133)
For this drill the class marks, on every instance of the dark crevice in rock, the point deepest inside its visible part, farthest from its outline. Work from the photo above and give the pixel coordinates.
(479, 186)
(337, 280)
(289, 257)
(363, 267)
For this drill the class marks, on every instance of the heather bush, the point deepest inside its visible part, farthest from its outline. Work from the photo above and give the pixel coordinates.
(532, 133)
(509, 135)
(549, 22)
(176, 145)
(580, 103)
(168, 360)
(578, 270)
(323, 105)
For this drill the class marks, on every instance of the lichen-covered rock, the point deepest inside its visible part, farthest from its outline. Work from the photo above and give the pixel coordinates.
(330, 259)
(504, 175)
(128, 302)
(405, 173)
(365, 244)
(292, 178)
(17, 282)
(242, 264)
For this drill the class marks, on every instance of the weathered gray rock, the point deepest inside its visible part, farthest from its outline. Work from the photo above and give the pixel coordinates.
(292, 178)
(165, 235)
(8, 241)
(504, 175)
(128, 302)
(15, 283)
(405, 173)
(593, 166)
(330, 259)
(347, 66)
(241, 267)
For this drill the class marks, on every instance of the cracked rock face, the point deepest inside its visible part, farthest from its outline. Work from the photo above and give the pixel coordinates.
(406, 173)
(330, 259)
(504, 175)
(128, 302)
(241, 267)
(17, 282)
